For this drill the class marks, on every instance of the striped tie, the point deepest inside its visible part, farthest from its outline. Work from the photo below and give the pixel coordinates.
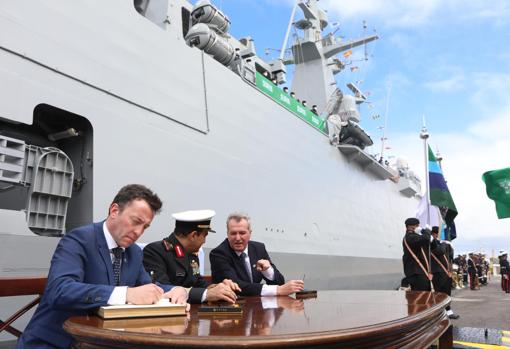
(247, 266)
(117, 259)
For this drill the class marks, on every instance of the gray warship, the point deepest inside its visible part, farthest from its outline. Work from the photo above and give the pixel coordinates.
(98, 94)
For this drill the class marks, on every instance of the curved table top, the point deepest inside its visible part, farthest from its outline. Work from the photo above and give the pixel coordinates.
(354, 319)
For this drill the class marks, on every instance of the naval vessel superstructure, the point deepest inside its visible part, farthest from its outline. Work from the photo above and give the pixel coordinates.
(98, 94)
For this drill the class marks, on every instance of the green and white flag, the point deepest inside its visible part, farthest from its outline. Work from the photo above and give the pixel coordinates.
(497, 184)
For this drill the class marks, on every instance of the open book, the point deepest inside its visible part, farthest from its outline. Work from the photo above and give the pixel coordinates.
(162, 308)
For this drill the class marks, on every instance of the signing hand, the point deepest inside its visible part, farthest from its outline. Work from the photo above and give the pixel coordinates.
(263, 265)
(233, 286)
(290, 287)
(146, 294)
(178, 295)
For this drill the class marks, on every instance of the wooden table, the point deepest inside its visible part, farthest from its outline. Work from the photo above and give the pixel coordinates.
(349, 319)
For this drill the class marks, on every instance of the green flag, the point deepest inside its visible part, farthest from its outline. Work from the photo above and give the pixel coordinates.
(497, 184)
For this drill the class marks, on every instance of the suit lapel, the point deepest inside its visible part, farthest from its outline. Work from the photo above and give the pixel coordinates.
(104, 251)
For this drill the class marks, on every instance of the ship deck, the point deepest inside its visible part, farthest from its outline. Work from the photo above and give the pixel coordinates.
(481, 310)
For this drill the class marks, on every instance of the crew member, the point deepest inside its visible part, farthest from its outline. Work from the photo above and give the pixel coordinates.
(505, 272)
(174, 259)
(441, 263)
(97, 265)
(473, 278)
(416, 245)
(247, 262)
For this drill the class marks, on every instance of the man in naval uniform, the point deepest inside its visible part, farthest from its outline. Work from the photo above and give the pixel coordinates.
(473, 278)
(96, 265)
(416, 261)
(505, 272)
(174, 259)
(247, 262)
(441, 262)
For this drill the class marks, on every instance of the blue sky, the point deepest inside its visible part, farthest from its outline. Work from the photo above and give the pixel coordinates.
(446, 60)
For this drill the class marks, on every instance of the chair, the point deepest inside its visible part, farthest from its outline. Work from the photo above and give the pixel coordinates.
(20, 286)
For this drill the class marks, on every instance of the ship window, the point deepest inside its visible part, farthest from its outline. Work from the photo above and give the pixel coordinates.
(186, 15)
(155, 11)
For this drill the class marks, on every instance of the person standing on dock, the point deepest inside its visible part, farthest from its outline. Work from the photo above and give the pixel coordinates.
(441, 262)
(505, 271)
(473, 277)
(416, 245)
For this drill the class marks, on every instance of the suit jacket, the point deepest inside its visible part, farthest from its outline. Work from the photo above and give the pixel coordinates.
(417, 243)
(161, 258)
(226, 264)
(80, 280)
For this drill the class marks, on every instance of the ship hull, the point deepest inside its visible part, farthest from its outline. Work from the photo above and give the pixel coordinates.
(168, 116)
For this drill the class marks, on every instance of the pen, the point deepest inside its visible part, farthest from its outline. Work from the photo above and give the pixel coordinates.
(153, 278)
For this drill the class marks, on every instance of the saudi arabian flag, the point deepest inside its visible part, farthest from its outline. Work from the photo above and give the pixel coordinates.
(497, 184)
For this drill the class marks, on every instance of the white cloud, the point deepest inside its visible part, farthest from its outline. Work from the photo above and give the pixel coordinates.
(401, 13)
(452, 84)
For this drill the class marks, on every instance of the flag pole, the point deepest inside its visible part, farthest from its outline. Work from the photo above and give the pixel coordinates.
(425, 135)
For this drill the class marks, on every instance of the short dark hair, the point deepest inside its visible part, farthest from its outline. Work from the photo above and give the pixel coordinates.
(132, 192)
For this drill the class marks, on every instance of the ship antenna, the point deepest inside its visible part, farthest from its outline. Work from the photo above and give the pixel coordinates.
(364, 34)
(291, 20)
(383, 138)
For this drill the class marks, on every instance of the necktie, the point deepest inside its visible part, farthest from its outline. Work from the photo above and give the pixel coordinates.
(246, 264)
(117, 259)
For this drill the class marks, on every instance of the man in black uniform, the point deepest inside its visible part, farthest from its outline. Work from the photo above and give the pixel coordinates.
(416, 262)
(505, 271)
(442, 256)
(473, 278)
(174, 259)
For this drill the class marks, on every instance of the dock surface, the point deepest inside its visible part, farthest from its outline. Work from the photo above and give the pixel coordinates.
(484, 317)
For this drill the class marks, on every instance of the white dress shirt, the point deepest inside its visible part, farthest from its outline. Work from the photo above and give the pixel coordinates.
(267, 290)
(119, 293)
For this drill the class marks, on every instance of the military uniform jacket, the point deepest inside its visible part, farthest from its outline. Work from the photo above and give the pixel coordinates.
(505, 267)
(417, 243)
(444, 252)
(171, 264)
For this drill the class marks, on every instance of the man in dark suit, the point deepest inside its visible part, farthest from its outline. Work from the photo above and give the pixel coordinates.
(416, 245)
(97, 265)
(174, 259)
(247, 262)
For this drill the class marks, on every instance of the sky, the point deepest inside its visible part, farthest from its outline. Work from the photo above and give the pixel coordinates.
(446, 62)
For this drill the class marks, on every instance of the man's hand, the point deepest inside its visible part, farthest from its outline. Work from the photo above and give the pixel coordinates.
(263, 264)
(178, 295)
(221, 292)
(233, 286)
(290, 287)
(146, 294)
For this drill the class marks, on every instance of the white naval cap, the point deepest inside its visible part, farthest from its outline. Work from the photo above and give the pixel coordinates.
(193, 220)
